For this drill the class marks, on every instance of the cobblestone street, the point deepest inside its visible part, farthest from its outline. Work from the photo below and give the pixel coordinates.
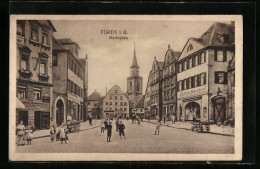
(139, 139)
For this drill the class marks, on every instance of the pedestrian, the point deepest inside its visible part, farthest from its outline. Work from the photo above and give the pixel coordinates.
(127, 118)
(173, 119)
(102, 125)
(109, 131)
(29, 136)
(90, 121)
(164, 118)
(52, 133)
(20, 133)
(117, 122)
(105, 122)
(63, 134)
(138, 121)
(58, 133)
(194, 116)
(121, 128)
(158, 123)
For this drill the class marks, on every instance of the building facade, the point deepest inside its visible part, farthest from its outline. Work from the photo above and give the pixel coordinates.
(156, 88)
(202, 75)
(139, 107)
(95, 105)
(115, 103)
(68, 81)
(169, 83)
(147, 97)
(34, 72)
(231, 89)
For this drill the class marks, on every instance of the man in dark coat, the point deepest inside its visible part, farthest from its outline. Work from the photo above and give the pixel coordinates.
(121, 128)
(109, 131)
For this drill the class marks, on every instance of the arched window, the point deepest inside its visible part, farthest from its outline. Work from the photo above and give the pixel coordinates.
(190, 47)
(130, 85)
(138, 86)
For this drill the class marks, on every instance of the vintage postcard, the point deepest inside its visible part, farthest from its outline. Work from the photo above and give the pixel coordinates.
(126, 88)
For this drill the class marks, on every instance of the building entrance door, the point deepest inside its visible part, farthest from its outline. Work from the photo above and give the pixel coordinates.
(37, 119)
(219, 110)
(59, 112)
(41, 120)
(190, 109)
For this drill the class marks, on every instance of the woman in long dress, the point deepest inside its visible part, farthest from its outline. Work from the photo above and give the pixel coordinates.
(20, 133)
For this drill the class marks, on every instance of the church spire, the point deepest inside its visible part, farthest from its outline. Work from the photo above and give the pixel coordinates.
(134, 63)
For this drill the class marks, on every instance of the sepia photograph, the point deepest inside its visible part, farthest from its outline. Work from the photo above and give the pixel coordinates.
(126, 88)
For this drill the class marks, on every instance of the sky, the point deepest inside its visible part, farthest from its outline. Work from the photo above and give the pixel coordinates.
(109, 60)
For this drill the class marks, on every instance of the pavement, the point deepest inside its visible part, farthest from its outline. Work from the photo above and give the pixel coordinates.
(214, 129)
(139, 139)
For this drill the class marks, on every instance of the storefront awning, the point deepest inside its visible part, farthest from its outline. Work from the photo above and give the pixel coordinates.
(19, 104)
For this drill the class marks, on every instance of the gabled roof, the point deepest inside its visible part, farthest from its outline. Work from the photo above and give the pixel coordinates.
(174, 56)
(113, 90)
(214, 37)
(95, 96)
(133, 101)
(140, 103)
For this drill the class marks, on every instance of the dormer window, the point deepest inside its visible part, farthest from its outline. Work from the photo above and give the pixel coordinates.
(190, 47)
(45, 40)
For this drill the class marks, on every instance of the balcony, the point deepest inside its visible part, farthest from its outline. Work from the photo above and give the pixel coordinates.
(25, 74)
(43, 77)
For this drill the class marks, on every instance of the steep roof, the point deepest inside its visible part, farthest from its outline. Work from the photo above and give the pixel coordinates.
(214, 36)
(95, 96)
(134, 62)
(115, 90)
(67, 41)
(140, 103)
(173, 56)
(133, 101)
(56, 45)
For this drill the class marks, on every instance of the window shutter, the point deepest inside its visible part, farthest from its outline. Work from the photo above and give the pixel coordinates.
(215, 55)
(216, 77)
(205, 57)
(225, 55)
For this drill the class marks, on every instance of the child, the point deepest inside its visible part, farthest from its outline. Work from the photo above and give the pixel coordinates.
(63, 134)
(29, 136)
(121, 128)
(102, 127)
(52, 133)
(109, 131)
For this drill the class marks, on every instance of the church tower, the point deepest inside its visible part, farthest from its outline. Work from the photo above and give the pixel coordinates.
(134, 82)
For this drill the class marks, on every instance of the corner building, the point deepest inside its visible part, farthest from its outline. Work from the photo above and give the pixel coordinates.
(202, 75)
(34, 72)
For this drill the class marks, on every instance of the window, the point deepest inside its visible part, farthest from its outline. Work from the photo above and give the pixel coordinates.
(20, 29)
(182, 66)
(192, 82)
(45, 40)
(24, 63)
(110, 97)
(188, 63)
(172, 94)
(110, 103)
(106, 103)
(121, 103)
(21, 92)
(54, 59)
(221, 77)
(121, 97)
(204, 79)
(43, 68)
(220, 56)
(125, 103)
(37, 94)
(187, 83)
(199, 80)
(116, 103)
(182, 85)
(121, 109)
(199, 59)
(34, 33)
(190, 47)
(116, 97)
(172, 81)
(115, 109)
(195, 81)
(173, 69)
(193, 61)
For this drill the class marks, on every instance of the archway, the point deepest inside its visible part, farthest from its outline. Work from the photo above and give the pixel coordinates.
(59, 112)
(190, 109)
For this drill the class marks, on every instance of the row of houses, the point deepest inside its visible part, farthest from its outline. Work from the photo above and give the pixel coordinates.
(52, 81)
(198, 80)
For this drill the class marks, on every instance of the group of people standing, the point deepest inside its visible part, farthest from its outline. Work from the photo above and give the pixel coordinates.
(106, 125)
(24, 134)
(60, 133)
(137, 119)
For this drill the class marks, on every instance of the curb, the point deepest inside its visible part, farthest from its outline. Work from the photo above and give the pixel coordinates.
(49, 134)
(230, 135)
